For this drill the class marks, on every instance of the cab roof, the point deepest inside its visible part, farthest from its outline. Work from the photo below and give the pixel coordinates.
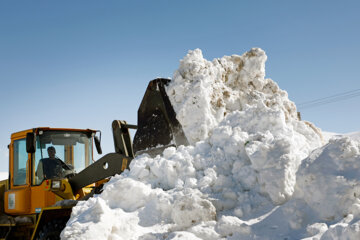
(36, 130)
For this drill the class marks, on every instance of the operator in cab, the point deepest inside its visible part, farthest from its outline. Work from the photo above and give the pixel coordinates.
(51, 167)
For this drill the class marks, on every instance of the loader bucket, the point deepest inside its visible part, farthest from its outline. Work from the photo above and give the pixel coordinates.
(158, 127)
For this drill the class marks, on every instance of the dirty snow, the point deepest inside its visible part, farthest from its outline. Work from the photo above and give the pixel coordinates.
(253, 170)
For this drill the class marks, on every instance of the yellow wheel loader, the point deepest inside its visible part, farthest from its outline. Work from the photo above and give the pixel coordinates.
(50, 169)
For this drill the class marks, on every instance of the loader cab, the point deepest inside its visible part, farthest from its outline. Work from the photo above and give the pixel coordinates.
(29, 184)
(73, 152)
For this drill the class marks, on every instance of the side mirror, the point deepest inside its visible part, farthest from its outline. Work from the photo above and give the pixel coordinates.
(30, 143)
(97, 145)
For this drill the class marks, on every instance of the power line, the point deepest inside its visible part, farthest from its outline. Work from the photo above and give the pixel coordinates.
(330, 99)
(332, 96)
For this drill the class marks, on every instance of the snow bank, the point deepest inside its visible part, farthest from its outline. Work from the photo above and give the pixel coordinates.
(4, 175)
(4, 154)
(325, 204)
(243, 176)
(230, 103)
(204, 92)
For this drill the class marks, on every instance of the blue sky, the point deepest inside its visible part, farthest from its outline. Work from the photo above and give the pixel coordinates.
(82, 64)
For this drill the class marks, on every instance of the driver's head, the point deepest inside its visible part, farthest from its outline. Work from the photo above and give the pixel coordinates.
(51, 152)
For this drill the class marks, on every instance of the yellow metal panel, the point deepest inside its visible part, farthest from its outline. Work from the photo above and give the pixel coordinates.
(3, 187)
(20, 134)
(64, 192)
(24, 132)
(124, 164)
(17, 201)
(41, 197)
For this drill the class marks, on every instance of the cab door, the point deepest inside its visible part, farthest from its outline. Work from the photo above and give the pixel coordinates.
(17, 198)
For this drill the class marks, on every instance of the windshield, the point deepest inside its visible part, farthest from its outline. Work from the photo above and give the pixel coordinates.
(60, 153)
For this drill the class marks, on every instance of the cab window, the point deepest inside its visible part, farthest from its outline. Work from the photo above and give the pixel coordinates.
(20, 159)
(72, 148)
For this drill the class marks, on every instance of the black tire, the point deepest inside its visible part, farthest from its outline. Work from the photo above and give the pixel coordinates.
(52, 229)
(4, 231)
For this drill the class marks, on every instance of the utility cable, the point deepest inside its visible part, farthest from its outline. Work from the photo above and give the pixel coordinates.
(330, 99)
(332, 96)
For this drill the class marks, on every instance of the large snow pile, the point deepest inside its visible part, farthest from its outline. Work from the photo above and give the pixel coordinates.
(253, 169)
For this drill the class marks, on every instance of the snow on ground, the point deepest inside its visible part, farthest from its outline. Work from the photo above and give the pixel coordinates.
(4, 175)
(353, 135)
(328, 135)
(4, 154)
(252, 171)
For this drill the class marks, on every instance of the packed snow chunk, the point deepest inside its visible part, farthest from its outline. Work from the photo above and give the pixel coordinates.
(205, 230)
(192, 209)
(89, 221)
(173, 169)
(203, 92)
(121, 192)
(329, 180)
(342, 231)
(182, 236)
(316, 230)
(326, 203)
(125, 206)
(263, 150)
(229, 226)
(228, 103)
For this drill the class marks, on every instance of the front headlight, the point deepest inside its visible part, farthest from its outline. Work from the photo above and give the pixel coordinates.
(55, 184)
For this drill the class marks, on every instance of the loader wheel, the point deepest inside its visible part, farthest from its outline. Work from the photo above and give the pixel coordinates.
(52, 229)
